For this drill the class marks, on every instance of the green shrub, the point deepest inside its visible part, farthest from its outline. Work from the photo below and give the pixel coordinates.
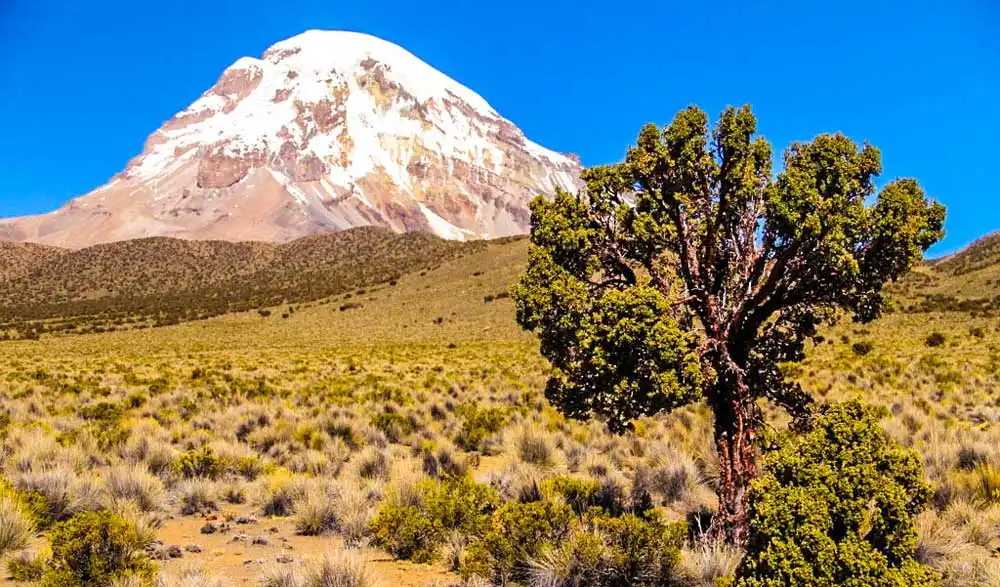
(459, 504)
(517, 533)
(862, 348)
(478, 425)
(199, 463)
(639, 552)
(579, 494)
(32, 503)
(456, 504)
(104, 422)
(986, 483)
(406, 533)
(395, 426)
(95, 549)
(26, 568)
(837, 502)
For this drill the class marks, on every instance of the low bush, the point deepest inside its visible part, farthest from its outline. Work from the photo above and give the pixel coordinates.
(199, 463)
(416, 532)
(517, 533)
(862, 348)
(26, 568)
(837, 502)
(935, 339)
(96, 549)
(406, 533)
(478, 425)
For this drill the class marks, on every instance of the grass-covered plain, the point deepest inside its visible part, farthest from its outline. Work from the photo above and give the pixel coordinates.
(407, 421)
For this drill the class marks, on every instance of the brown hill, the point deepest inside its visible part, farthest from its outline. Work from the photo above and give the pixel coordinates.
(162, 280)
(17, 259)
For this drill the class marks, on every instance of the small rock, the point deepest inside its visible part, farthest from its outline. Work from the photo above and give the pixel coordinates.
(247, 562)
(243, 520)
(209, 528)
(260, 540)
(240, 538)
(284, 559)
(193, 548)
(174, 551)
(273, 530)
(159, 554)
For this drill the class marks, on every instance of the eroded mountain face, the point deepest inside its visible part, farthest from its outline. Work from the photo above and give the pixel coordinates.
(327, 131)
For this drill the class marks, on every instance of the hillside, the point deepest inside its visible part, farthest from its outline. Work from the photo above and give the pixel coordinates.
(18, 259)
(162, 281)
(966, 281)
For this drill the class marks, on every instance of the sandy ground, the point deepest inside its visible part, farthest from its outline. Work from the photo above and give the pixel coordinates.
(232, 556)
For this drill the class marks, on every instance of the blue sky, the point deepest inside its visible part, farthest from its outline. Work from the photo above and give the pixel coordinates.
(84, 83)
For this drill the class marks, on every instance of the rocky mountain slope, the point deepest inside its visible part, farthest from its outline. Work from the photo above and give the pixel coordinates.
(328, 130)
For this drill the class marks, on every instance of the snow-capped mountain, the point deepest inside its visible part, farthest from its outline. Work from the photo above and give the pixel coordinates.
(327, 131)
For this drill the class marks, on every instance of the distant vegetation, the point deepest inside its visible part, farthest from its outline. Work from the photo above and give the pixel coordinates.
(162, 281)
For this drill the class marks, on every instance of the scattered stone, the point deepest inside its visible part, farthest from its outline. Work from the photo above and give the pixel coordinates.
(260, 540)
(274, 530)
(174, 551)
(247, 562)
(243, 520)
(193, 548)
(285, 559)
(240, 538)
(209, 528)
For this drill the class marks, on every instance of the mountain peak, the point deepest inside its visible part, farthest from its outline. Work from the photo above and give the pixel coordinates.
(326, 131)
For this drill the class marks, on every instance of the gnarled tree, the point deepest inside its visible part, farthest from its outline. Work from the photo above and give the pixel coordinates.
(690, 271)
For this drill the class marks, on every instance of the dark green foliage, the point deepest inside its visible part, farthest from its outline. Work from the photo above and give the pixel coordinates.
(935, 339)
(862, 348)
(835, 506)
(94, 549)
(516, 534)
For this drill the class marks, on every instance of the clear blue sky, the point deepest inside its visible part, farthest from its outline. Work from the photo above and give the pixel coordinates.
(84, 83)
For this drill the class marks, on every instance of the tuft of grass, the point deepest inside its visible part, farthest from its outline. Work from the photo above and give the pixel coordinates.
(136, 484)
(16, 525)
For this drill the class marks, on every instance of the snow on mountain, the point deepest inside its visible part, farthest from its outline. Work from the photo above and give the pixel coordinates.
(328, 130)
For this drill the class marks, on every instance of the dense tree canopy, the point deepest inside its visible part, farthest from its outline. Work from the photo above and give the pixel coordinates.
(691, 271)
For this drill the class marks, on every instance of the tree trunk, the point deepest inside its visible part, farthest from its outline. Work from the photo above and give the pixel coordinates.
(737, 467)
